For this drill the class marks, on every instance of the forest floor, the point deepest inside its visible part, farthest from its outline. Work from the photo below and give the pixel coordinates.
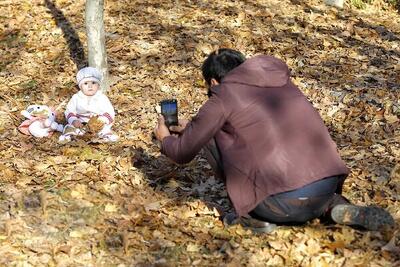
(124, 204)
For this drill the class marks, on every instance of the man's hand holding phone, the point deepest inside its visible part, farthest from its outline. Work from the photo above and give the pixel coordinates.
(168, 122)
(161, 130)
(180, 127)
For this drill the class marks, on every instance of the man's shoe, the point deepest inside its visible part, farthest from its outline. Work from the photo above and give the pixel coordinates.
(248, 222)
(370, 218)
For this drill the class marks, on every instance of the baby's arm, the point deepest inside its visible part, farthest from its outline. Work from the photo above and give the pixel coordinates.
(108, 113)
(70, 111)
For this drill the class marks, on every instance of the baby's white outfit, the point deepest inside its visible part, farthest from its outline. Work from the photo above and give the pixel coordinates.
(82, 107)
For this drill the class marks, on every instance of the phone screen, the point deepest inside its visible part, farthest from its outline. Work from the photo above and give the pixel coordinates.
(169, 109)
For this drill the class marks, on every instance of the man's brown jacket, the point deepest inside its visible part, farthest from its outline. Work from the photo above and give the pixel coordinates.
(270, 137)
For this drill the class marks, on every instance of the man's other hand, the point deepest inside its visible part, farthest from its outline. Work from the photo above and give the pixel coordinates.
(180, 127)
(161, 130)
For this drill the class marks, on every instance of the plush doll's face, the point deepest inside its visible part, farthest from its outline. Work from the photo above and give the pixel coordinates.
(41, 111)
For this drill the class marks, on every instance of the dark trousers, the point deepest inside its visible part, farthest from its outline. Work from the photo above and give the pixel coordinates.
(301, 205)
(292, 207)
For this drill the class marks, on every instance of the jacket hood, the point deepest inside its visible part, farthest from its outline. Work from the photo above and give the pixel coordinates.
(261, 71)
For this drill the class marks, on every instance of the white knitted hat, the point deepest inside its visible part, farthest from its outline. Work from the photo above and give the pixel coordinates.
(88, 74)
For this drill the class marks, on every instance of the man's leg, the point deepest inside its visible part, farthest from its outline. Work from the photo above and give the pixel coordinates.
(341, 211)
(321, 199)
(300, 205)
(293, 207)
(213, 157)
(286, 208)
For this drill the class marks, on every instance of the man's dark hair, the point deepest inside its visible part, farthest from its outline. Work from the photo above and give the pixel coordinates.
(220, 62)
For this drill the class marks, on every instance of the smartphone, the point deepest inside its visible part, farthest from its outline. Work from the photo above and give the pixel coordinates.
(169, 109)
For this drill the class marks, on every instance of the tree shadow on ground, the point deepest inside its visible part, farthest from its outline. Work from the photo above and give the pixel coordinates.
(74, 43)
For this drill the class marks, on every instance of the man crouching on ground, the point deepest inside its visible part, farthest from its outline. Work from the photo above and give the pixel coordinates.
(271, 147)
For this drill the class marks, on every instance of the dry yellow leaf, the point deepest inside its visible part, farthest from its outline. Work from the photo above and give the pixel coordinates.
(192, 247)
(110, 208)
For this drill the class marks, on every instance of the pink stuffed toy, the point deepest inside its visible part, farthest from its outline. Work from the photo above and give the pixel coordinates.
(40, 121)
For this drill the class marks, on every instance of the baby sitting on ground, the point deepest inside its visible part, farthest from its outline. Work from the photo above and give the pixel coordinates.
(87, 104)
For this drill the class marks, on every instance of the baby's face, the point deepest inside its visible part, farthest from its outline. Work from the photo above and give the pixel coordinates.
(90, 88)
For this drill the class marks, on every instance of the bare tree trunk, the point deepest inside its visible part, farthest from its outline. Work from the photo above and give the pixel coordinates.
(97, 55)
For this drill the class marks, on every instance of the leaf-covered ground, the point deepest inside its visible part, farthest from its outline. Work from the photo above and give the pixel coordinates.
(124, 204)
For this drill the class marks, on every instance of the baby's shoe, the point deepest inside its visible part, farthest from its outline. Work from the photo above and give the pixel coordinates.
(71, 130)
(110, 137)
(63, 139)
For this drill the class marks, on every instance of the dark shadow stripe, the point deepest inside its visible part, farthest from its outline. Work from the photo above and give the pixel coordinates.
(74, 43)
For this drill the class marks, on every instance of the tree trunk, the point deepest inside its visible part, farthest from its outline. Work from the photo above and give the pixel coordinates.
(97, 55)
